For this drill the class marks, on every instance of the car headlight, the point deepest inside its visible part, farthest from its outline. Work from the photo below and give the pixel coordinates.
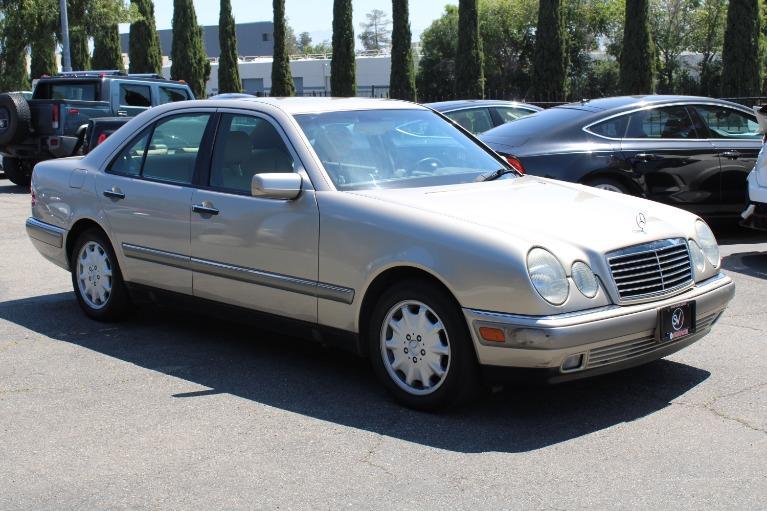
(548, 276)
(696, 254)
(584, 279)
(707, 242)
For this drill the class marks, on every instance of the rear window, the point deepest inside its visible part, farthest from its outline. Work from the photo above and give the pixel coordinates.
(172, 94)
(538, 125)
(74, 91)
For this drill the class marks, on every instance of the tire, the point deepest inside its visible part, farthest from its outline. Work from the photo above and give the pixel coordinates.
(437, 337)
(97, 279)
(15, 118)
(605, 183)
(17, 171)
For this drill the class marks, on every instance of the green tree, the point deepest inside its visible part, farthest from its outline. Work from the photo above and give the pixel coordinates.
(144, 51)
(107, 53)
(342, 66)
(671, 23)
(77, 11)
(228, 67)
(435, 79)
(42, 25)
(740, 54)
(469, 77)
(190, 62)
(375, 35)
(550, 61)
(304, 42)
(13, 47)
(707, 39)
(637, 62)
(402, 76)
(282, 80)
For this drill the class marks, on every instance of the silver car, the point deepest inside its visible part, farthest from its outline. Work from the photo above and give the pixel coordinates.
(383, 227)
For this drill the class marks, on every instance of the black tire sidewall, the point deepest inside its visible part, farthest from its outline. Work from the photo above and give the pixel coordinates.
(462, 377)
(16, 171)
(118, 303)
(14, 109)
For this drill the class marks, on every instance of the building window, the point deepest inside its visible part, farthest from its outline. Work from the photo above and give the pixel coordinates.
(266, 36)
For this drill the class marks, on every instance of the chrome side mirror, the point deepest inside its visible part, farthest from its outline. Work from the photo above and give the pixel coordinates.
(281, 185)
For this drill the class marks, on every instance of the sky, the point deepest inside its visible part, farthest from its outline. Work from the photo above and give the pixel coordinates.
(313, 16)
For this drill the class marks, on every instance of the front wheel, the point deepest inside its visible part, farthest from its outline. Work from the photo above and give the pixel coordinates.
(421, 349)
(97, 279)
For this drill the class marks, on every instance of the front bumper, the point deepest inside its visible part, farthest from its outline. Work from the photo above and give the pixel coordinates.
(609, 338)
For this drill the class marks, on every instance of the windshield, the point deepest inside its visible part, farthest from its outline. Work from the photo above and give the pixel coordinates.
(393, 149)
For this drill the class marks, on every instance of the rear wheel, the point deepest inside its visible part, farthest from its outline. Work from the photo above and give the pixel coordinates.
(605, 183)
(421, 349)
(97, 279)
(17, 171)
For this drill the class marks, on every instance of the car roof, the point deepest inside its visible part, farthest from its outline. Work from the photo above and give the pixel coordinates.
(312, 105)
(619, 103)
(449, 106)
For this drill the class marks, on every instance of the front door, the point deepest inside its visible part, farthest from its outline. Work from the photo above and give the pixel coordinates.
(679, 166)
(146, 195)
(247, 251)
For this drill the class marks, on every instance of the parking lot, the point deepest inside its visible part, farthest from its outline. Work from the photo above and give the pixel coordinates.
(172, 411)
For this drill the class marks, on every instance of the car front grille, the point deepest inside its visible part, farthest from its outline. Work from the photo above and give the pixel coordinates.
(651, 270)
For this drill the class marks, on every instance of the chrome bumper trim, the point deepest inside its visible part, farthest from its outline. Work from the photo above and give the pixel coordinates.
(46, 233)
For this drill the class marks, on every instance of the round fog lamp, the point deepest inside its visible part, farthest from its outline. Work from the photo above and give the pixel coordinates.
(584, 279)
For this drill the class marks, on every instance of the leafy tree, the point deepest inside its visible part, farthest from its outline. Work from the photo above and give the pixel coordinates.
(671, 22)
(304, 41)
(436, 70)
(13, 69)
(144, 50)
(707, 38)
(228, 68)
(637, 62)
(77, 11)
(376, 34)
(107, 53)
(469, 77)
(42, 24)
(740, 54)
(550, 63)
(342, 67)
(291, 41)
(190, 62)
(282, 80)
(402, 76)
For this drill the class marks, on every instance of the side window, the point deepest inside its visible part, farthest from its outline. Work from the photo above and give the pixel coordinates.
(611, 128)
(728, 123)
(664, 122)
(129, 161)
(245, 146)
(172, 151)
(135, 95)
(172, 94)
(475, 120)
(509, 114)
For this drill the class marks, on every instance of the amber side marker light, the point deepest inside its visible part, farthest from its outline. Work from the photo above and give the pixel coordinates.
(492, 334)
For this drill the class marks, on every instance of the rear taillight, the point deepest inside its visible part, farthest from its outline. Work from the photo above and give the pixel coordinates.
(33, 195)
(55, 117)
(515, 164)
(764, 139)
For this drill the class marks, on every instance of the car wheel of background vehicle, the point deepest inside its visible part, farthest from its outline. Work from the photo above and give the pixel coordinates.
(15, 118)
(18, 172)
(420, 347)
(604, 183)
(97, 279)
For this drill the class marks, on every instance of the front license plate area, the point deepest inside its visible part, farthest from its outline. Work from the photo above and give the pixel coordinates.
(676, 321)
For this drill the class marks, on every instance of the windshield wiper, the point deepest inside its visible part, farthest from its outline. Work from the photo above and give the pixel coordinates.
(490, 176)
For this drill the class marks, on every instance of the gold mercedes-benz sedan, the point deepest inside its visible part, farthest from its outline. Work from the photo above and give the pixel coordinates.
(382, 226)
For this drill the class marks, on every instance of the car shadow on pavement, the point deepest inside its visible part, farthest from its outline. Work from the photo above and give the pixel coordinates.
(331, 385)
(753, 264)
(14, 189)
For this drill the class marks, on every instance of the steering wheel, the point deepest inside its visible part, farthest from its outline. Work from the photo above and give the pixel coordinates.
(428, 164)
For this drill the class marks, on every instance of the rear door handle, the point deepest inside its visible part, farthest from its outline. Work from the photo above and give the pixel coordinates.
(114, 193)
(122, 113)
(205, 208)
(732, 155)
(647, 157)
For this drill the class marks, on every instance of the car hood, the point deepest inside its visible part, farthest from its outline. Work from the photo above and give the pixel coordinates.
(543, 211)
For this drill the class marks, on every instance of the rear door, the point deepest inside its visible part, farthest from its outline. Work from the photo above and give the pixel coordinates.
(677, 163)
(736, 138)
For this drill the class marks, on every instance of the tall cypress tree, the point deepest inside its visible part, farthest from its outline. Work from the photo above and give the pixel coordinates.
(13, 51)
(144, 49)
(469, 77)
(282, 80)
(402, 76)
(550, 59)
(107, 53)
(637, 62)
(43, 49)
(78, 35)
(228, 69)
(343, 66)
(740, 54)
(190, 62)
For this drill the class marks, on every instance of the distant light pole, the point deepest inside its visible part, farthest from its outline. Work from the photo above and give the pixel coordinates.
(66, 62)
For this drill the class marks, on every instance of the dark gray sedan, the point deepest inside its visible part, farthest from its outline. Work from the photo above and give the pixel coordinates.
(690, 152)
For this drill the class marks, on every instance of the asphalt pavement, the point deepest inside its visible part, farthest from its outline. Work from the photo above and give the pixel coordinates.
(176, 411)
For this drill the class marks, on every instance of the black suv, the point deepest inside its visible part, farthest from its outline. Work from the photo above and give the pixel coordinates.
(52, 124)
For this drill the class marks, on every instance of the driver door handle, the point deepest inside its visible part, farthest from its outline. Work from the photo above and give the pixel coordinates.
(205, 208)
(731, 155)
(114, 193)
(647, 157)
